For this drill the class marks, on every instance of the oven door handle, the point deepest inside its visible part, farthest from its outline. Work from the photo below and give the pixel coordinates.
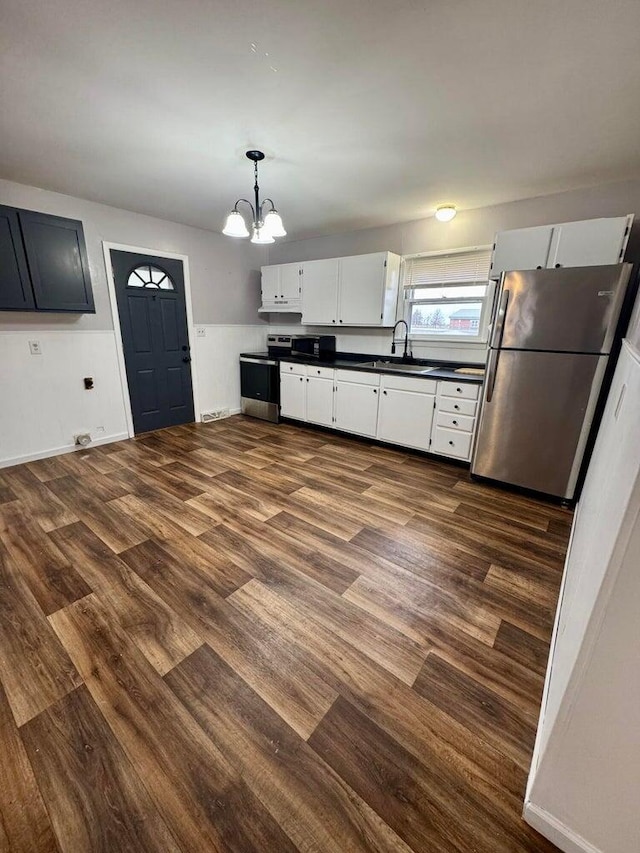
(268, 362)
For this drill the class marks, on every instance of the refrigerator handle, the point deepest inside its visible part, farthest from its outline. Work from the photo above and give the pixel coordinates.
(492, 367)
(498, 328)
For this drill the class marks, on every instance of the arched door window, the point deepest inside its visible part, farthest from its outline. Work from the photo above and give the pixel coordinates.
(150, 278)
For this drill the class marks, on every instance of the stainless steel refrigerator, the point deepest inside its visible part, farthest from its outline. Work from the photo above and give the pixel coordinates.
(551, 339)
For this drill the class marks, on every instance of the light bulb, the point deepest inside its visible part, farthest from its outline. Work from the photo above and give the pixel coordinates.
(261, 236)
(235, 225)
(273, 224)
(446, 212)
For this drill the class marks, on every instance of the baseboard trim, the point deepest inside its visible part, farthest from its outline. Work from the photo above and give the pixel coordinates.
(59, 451)
(554, 830)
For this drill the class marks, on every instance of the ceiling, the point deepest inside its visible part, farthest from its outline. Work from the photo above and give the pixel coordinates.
(370, 111)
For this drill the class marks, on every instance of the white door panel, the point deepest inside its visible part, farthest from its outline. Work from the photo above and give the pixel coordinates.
(405, 417)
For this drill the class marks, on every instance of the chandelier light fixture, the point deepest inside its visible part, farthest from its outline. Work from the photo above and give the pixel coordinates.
(265, 226)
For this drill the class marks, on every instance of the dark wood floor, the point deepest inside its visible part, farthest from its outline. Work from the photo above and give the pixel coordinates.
(251, 637)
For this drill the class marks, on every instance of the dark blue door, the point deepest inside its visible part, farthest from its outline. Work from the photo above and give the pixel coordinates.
(153, 321)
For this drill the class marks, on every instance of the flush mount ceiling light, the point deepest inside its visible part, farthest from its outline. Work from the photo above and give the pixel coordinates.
(265, 227)
(445, 212)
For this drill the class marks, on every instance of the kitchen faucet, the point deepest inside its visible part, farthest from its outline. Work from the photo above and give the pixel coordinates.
(405, 356)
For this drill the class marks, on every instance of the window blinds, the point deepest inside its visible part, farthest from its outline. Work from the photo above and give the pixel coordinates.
(467, 267)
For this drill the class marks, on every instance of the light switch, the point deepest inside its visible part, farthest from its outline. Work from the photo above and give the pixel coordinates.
(34, 348)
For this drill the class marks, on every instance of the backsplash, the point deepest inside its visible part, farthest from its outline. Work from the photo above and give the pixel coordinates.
(378, 342)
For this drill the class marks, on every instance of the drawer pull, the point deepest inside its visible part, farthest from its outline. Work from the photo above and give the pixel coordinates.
(455, 423)
(456, 406)
(451, 443)
(318, 371)
(459, 390)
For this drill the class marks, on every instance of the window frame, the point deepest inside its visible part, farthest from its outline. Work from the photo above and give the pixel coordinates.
(485, 314)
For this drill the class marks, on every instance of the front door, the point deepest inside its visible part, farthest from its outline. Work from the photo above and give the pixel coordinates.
(153, 321)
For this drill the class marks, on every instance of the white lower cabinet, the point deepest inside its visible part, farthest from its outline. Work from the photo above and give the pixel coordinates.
(438, 416)
(455, 420)
(356, 402)
(451, 442)
(319, 400)
(405, 412)
(292, 395)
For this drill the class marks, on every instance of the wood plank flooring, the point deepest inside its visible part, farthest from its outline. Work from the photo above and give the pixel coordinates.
(248, 637)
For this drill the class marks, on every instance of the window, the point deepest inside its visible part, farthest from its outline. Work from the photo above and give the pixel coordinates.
(447, 295)
(152, 278)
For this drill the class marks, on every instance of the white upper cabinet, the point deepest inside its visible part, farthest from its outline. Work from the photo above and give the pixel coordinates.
(363, 287)
(282, 288)
(320, 294)
(521, 249)
(356, 291)
(590, 242)
(270, 285)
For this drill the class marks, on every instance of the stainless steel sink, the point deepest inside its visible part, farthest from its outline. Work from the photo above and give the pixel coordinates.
(400, 368)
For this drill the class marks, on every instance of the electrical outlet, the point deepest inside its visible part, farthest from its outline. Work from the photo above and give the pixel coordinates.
(100, 429)
(201, 332)
(35, 348)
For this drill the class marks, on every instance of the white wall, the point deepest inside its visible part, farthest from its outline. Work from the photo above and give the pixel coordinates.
(378, 341)
(44, 403)
(217, 358)
(585, 779)
(469, 228)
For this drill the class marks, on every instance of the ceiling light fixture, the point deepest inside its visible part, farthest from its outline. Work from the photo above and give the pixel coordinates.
(265, 227)
(445, 212)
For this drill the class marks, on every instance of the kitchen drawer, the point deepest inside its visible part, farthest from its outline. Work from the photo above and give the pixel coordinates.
(465, 390)
(408, 383)
(297, 369)
(450, 442)
(454, 421)
(319, 372)
(363, 377)
(457, 407)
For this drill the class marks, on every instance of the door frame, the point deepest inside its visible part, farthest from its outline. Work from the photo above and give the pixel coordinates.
(111, 286)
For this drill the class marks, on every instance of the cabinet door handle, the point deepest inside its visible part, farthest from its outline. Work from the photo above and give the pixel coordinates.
(375, 390)
(341, 321)
(307, 380)
(451, 443)
(455, 423)
(558, 266)
(385, 393)
(459, 390)
(301, 378)
(318, 373)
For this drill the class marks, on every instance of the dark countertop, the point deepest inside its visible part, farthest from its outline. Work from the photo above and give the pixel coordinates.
(352, 361)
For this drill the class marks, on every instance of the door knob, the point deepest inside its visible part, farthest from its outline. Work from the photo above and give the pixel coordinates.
(186, 359)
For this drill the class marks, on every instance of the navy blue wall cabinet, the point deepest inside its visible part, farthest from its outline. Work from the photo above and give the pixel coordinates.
(50, 256)
(16, 293)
